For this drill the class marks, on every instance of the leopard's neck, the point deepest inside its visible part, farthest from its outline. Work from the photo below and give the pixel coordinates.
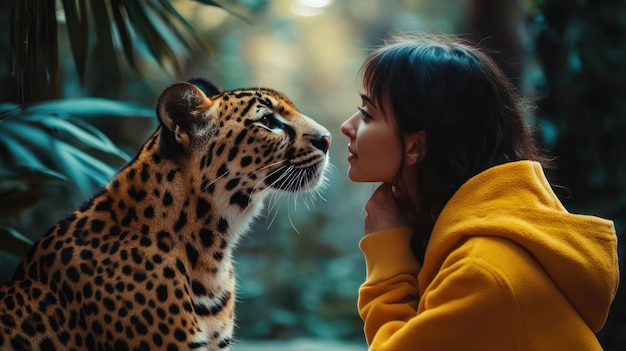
(189, 221)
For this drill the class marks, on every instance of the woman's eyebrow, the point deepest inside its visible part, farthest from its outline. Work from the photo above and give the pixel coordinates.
(366, 98)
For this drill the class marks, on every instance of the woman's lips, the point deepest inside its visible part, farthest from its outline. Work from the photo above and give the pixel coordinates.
(351, 155)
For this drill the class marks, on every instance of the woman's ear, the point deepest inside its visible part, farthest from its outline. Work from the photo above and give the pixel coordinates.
(415, 147)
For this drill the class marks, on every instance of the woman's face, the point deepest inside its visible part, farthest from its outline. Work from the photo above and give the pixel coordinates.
(375, 151)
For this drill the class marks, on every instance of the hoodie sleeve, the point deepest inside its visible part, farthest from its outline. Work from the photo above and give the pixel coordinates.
(390, 292)
(469, 307)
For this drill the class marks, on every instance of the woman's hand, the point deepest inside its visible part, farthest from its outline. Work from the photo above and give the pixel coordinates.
(383, 211)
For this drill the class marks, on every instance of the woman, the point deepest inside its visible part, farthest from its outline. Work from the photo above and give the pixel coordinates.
(467, 247)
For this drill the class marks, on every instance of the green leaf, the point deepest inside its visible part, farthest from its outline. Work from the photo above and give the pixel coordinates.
(219, 4)
(30, 144)
(81, 135)
(78, 30)
(18, 41)
(86, 171)
(34, 51)
(51, 139)
(51, 62)
(9, 110)
(143, 23)
(119, 14)
(22, 145)
(106, 50)
(90, 107)
(167, 17)
(14, 242)
(169, 14)
(19, 176)
(211, 3)
(34, 47)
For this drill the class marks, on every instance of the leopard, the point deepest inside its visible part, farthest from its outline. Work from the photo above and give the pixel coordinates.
(146, 263)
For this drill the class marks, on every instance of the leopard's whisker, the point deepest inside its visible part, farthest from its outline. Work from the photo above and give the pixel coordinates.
(291, 222)
(269, 188)
(268, 166)
(215, 180)
(267, 176)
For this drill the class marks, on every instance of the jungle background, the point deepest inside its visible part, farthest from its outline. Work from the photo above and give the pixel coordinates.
(78, 87)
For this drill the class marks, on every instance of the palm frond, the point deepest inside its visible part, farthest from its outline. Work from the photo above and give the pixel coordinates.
(56, 140)
(34, 51)
(78, 30)
(34, 47)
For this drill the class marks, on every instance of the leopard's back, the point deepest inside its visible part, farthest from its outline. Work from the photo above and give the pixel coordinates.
(146, 262)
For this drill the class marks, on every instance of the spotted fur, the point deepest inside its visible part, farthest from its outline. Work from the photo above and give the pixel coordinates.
(145, 264)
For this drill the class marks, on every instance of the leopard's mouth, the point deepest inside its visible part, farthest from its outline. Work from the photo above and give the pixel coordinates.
(298, 177)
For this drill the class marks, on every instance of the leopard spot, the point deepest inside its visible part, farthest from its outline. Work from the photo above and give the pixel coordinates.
(202, 207)
(180, 222)
(245, 161)
(207, 237)
(240, 199)
(66, 255)
(222, 225)
(148, 212)
(232, 183)
(167, 199)
(192, 255)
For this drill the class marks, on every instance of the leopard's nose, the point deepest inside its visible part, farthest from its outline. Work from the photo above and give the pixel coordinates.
(321, 141)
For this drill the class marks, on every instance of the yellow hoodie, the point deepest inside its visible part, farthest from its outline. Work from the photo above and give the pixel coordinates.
(506, 268)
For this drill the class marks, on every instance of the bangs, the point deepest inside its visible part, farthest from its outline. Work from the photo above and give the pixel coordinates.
(378, 73)
(392, 78)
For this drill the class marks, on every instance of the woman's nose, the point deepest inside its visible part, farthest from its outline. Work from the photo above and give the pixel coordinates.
(346, 127)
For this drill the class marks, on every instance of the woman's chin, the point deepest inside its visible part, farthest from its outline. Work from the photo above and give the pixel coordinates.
(358, 177)
(354, 176)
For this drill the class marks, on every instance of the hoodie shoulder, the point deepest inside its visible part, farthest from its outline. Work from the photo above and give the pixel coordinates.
(515, 202)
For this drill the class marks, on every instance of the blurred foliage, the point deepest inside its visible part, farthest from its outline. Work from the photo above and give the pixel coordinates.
(582, 49)
(297, 291)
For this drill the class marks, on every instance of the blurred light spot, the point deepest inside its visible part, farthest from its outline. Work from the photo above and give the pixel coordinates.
(315, 3)
(308, 8)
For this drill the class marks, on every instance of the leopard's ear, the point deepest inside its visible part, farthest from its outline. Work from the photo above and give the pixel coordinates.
(208, 88)
(183, 112)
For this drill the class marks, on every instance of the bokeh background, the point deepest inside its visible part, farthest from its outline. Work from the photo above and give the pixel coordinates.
(77, 100)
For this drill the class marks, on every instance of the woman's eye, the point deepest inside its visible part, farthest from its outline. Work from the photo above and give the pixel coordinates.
(364, 114)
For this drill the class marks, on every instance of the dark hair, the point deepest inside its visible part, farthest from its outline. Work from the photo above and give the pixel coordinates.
(472, 115)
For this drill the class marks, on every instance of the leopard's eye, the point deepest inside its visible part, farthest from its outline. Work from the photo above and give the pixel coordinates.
(270, 121)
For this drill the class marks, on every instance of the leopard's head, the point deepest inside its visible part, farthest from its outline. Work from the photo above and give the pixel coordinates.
(243, 141)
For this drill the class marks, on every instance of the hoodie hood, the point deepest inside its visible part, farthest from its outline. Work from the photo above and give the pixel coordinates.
(515, 201)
